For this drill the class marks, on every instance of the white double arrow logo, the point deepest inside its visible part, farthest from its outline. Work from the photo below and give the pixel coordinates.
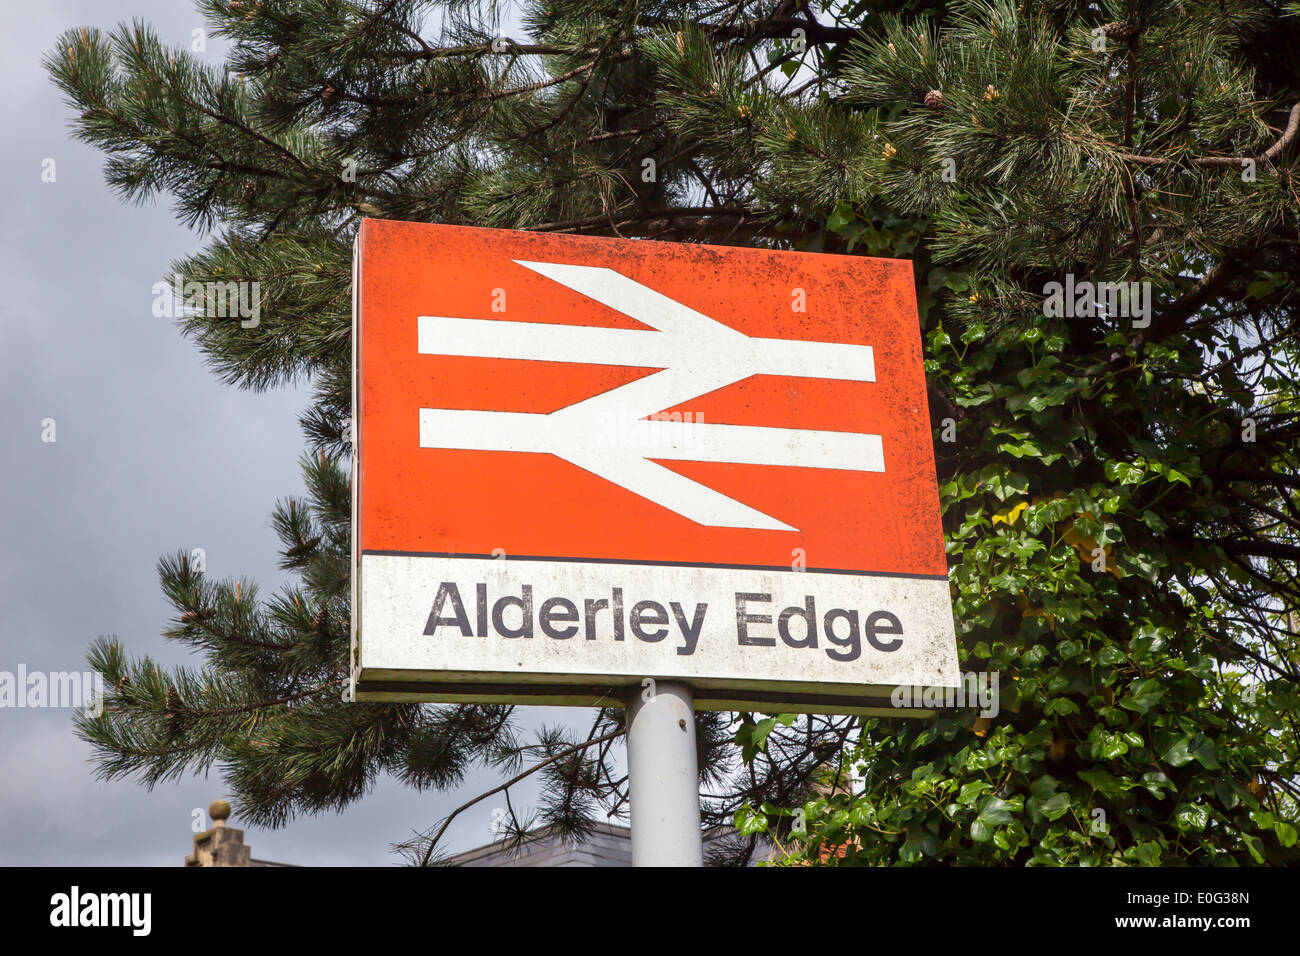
(695, 354)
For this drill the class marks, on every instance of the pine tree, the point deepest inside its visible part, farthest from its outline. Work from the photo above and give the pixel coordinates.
(326, 111)
(1122, 554)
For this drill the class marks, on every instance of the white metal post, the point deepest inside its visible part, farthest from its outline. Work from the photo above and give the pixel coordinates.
(663, 776)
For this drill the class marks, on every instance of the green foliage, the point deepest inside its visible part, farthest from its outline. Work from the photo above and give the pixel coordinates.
(1136, 692)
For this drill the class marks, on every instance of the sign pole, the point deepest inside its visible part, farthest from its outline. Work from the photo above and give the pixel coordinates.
(663, 776)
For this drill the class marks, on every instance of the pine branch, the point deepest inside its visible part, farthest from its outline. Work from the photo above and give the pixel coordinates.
(432, 842)
(1233, 162)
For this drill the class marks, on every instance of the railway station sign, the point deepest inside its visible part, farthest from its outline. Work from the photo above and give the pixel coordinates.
(582, 462)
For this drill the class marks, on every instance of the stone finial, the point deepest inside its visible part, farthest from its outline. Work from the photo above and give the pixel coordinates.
(222, 845)
(219, 810)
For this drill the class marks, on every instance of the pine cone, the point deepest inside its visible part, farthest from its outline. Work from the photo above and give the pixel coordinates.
(934, 101)
(322, 622)
(1120, 32)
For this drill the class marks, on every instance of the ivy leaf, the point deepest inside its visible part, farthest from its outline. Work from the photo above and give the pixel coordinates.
(1010, 515)
(1286, 834)
(841, 216)
(1060, 706)
(1110, 656)
(1104, 783)
(1044, 785)
(1255, 845)
(918, 844)
(1173, 474)
(749, 820)
(1203, 751)
(752, 737)
(1155, 781)
(996, 811)
(1126, 473)
(1056, 807)
(1191, 816)
(1142, 695)
(1179, 754)
(971, 791)
(1110, 746)
(1227, 794)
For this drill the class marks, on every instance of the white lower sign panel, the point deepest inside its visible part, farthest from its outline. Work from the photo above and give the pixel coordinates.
(576, 632)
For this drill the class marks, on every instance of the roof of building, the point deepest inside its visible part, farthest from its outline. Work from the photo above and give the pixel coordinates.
(608, 844)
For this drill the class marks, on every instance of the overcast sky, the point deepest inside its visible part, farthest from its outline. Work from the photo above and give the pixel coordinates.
(152, 455)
